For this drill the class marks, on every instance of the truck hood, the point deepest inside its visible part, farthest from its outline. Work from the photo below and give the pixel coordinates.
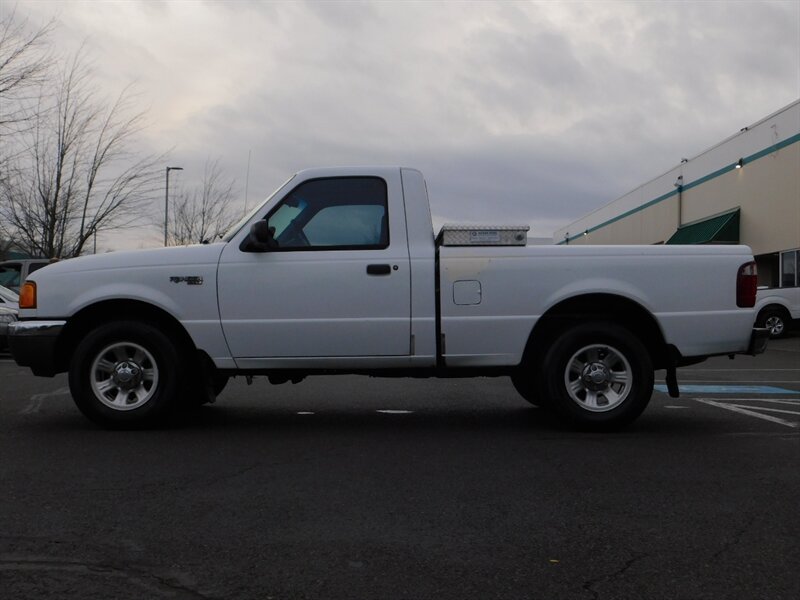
(175, 255)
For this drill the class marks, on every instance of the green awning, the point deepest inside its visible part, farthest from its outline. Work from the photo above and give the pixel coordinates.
(722, 229)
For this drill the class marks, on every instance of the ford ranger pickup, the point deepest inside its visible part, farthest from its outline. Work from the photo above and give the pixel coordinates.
(340, 272)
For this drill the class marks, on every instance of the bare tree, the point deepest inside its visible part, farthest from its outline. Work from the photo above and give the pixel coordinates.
(75, 175)
(204, 213)
(23, 65)
(5, 246)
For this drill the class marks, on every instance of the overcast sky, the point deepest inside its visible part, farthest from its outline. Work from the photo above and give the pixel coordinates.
(516, 112)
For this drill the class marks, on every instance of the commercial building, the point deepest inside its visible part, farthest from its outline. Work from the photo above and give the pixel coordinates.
(746, 189)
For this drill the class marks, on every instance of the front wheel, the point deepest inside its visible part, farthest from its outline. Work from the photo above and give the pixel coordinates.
(125, 374)
(598, 376)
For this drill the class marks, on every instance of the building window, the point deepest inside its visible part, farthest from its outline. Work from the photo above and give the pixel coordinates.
(789, 268)
(768, 269)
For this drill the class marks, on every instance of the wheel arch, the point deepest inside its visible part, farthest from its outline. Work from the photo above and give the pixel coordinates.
(107, 311)
(776, 306)
(611, 308)
(778, 310)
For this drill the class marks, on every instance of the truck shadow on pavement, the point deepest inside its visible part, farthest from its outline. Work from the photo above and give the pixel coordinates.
(497, 416)
(526, 419)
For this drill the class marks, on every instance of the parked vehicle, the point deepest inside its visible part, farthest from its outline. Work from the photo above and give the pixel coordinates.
(9, 311)
(8, 298)
(339, 271)
(7, 316)
(14, 272)
(777, 309)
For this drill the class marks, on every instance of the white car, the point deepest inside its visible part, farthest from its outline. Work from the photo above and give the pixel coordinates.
(8, 298)
(7, 316)
(14, 272)
(9, 311)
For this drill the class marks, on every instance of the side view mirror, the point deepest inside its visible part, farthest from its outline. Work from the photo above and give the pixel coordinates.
(261, 238)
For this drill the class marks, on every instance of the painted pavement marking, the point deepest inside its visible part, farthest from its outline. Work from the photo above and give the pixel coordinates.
(729, 389)
(737, 382)
(733, 370)
(35, 403)
(728, 404)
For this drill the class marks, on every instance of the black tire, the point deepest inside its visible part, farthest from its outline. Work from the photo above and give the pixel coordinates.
(774, 319)
(126, 374)
(598, 376)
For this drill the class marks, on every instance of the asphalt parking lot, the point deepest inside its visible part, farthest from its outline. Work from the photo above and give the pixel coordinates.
(765, 387)
(353, 487)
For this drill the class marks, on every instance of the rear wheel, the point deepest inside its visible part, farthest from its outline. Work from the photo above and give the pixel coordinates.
(598, 376)
(774, 319)
(125, 374)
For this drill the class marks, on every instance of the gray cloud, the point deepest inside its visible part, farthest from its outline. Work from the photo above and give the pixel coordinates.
(531, 112)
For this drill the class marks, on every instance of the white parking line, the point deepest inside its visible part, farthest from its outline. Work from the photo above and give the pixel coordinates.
(732, 370)
(768, 409)
(738, 408)
(35, 403)
(769, 400)
(687, 381)
(395, 412)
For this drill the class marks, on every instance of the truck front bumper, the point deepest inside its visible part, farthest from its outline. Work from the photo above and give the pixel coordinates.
(758, 341)
(33, 344)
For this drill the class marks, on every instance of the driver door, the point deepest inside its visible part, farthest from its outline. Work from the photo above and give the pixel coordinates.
(335, 283)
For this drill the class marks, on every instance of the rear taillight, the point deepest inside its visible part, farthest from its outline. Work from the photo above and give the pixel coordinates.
(746, 285)
(27, 295)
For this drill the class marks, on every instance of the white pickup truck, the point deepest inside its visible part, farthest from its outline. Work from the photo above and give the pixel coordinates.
(339, 271)
(777, 309)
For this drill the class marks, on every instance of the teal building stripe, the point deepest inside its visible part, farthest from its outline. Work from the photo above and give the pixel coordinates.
(745, 160)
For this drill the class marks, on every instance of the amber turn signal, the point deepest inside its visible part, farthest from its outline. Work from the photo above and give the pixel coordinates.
(27, 295)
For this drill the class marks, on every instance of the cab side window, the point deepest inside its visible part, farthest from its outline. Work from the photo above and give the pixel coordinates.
(342, 213)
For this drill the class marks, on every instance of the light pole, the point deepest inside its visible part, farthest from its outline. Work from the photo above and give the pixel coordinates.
(166, 202)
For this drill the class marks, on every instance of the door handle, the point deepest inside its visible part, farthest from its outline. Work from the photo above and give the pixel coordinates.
(379, 269)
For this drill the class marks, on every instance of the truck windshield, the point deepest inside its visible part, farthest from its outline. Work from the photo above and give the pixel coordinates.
(235, 228)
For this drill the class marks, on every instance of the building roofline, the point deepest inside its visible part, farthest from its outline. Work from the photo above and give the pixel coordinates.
(739, 133)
